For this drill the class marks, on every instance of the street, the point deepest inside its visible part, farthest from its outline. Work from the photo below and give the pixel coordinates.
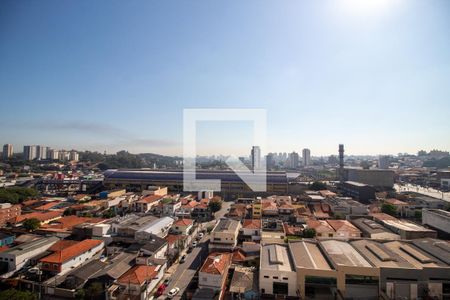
(422, 190)
(186, 271)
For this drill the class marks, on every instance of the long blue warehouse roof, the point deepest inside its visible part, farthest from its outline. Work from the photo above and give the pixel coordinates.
(177, 175)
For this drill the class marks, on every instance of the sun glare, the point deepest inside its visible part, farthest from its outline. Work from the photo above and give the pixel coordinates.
(364, 7)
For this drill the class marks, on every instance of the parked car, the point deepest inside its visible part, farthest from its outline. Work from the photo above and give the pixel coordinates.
(160, 290)
(166, 281)
(173, 292)
(200, 236)
(183, 258)
(194, 244)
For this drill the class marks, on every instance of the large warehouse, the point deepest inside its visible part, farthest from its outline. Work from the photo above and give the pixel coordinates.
(232, 185)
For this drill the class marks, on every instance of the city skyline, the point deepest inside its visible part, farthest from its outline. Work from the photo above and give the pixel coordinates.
(21, 150)
(370, 77)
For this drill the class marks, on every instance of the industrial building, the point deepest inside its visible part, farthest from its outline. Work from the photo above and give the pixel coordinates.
(437, 219)
(369, 269)
(232, 185)
(363, 192)
(374, 177)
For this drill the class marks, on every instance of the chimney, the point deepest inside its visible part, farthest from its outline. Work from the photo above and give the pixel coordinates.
(341, 163)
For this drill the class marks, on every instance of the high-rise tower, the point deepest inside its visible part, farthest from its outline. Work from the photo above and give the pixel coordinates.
(341, 162)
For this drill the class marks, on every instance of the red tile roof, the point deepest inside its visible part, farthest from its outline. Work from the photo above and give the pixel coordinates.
(41, 216)
(151, 198)
(138, 275)
(238, 256)
(383, 216)
(394, 201)
(172, 238)
(343, 225)
(319, 212)
(319, 226)
(47, 206)
(68, 222)
(201, 206)
(62, 244)
(183, 222)
(251, 224)
(71, 251)
(29, 202)
(216, 263)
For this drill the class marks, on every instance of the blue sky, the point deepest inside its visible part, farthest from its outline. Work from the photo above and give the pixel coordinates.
(374, 74)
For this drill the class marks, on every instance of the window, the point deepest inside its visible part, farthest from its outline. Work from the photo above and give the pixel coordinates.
(265, 276)
(285, 278)
(275, 277)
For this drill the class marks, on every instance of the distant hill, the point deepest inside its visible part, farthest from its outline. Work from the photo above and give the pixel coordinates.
(124, 159)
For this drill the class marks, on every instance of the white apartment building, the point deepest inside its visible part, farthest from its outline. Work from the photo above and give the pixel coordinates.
(224, 235)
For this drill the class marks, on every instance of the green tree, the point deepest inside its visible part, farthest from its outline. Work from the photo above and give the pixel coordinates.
(16, 194)
(389, 209)
(94, 290)
(110, 213)
(31, 224)
(215, 205)
(80, 294)
(318, 186)
(418, 215)
(70, 212)
(13, 294)
(309, 233)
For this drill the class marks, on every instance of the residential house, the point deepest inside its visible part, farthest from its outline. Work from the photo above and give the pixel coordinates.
(75, 254)
(403, 208)
(244, 284)
(155, 247)
(214, 271)
(257, 209)
(224, 235)
(128, 225)
(176, 243)
(170, 205)
(286, 211)
(138, 282)
(186, 209)
(344, 229)
(321, 211)
(8, 211)
(322, 228)
(43, 217)
(146, 203)
(159, 227)
(237, 212)
(202, 213)
(269, 208)
(251, 230)
(182, 226)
